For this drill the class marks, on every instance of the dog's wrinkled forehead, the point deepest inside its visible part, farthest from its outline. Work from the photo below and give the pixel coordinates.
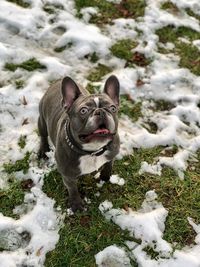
(94, 101)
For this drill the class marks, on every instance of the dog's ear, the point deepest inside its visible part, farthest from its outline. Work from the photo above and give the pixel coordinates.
(70, 92)
(111, 88)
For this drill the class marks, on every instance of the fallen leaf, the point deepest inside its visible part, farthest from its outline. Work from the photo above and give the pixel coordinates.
(126, 207)
(99, 236)
(24, 101)
(123, 10)
(85, 221)
(38, 252)
(27, 184)
(139, 83)
(196, 62)
(25, 121)
(130, 98)
(139, 59)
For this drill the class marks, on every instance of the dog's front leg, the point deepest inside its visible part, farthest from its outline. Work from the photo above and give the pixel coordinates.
(106, 171)
(44, 146)
(75, 201)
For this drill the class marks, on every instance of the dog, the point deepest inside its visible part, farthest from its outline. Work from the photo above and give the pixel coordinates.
(83, 127)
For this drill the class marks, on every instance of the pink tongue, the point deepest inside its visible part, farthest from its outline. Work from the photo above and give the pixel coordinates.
(101, 131)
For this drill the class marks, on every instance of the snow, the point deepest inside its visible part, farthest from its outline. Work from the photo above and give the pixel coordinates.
(88, 12)
(42, 223)
(115, 179)
(112, 256)
(152, 216)
(31, 32)
(147, 224)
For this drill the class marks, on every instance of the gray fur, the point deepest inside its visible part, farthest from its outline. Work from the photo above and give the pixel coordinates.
(58, 107)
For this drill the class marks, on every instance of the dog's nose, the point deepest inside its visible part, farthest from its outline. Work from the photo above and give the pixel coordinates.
(99, 112)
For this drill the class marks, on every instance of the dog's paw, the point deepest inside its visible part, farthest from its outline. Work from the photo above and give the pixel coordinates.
(42, 155)
(76, 205)
(104, 178)
(44, 148)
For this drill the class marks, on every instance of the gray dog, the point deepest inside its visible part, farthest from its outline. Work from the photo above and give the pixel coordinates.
(83, 129)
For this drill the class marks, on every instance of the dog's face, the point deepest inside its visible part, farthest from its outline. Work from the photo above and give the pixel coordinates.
(93, 118)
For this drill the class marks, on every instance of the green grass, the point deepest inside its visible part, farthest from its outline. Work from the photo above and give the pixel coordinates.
(93, 57)
(93, 89)
(62, 48)
(96, 74)
(109, 11)
(29, 65)
(129, 108)
(171, 34)
(52, 8)
(11, 197)
(81, 232)
(22, 141)
(19, 84)
(122, 49)
(163, 105)
(184, 202)
(189, 54)
(169, 6)
(189, 57)
(191, 13)
(20, 3)
(85, 234)
(19, 165)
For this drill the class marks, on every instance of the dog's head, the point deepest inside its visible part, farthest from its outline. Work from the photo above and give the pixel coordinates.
(93, 118)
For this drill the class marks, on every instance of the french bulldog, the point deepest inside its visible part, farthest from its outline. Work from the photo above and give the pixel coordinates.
(83, 129)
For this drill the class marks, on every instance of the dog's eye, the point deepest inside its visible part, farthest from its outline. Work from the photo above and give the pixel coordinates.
(113, 109)
(83, 110)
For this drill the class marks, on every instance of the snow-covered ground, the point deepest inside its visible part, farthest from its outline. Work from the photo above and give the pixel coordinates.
(29, 32)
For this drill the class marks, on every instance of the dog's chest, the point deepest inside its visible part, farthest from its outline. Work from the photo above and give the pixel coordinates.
(88, 163)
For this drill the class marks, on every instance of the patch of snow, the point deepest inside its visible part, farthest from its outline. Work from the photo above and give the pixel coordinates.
(106, 205)
(32, 32)
(196, 43)
(152, 216)
(42, 223)
(100, 184)
(114, 1)
(88, 12)
(149, 168)
(149, 230)
(112, 256)
(115, 179)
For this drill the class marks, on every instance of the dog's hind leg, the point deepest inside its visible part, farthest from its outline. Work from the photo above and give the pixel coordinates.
(44, 145)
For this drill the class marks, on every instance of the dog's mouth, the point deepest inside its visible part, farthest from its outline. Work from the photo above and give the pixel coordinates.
(100, 133)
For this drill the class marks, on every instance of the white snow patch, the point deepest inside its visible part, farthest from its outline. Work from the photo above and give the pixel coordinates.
(115, 179)
(112, 256)
(42, 223)
(31, 32)
(88, 12)
(147, 224)
(114, 1)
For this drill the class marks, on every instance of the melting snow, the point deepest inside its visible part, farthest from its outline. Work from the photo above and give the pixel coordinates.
(147, 224)
(31, 32)
(115, 179)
